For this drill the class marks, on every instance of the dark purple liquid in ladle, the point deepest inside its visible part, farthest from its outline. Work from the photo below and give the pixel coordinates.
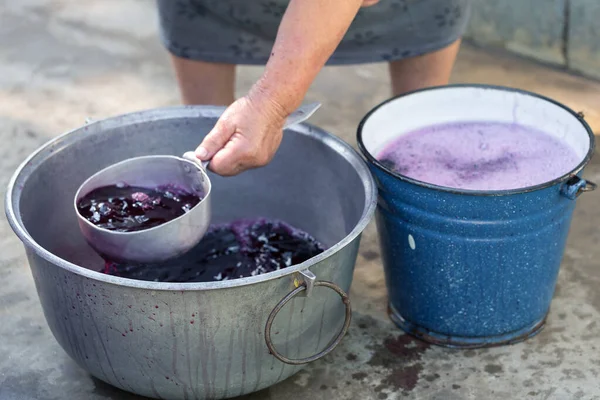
(128, 208)
(229, 251)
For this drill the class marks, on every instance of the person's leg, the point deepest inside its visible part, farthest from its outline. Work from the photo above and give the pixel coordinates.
(427, 70)
(204, 83)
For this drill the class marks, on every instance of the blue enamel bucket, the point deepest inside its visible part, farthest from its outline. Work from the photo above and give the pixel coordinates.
(472, 268)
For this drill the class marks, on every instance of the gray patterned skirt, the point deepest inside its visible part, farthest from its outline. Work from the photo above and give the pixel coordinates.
(243, 31)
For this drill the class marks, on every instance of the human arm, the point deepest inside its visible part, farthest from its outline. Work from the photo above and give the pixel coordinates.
(250, 130)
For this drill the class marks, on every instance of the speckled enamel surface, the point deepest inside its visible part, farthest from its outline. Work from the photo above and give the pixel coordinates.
(468, 266)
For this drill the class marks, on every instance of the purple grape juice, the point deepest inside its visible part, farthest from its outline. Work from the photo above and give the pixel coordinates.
(229, 251)
(129, 208)
(479, 156)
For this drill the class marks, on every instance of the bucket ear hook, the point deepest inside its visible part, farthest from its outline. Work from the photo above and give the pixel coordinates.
(307, 282)
(575, 186)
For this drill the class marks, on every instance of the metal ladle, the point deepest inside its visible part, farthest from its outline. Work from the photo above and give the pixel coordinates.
(173, 238)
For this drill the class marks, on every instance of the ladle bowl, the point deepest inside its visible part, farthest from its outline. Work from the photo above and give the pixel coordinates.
(162, 242)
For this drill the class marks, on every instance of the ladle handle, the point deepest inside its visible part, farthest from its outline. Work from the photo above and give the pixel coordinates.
(301, 114)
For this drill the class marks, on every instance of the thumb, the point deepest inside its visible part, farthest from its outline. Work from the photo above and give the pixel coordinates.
(215, 140)
(227, 161)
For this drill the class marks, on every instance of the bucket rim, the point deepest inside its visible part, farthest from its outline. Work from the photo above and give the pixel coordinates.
(30, 164)
(480, 193)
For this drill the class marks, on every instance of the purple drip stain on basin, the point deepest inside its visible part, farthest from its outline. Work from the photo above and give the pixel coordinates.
(126, 208)
(229, 251)
(479, 156)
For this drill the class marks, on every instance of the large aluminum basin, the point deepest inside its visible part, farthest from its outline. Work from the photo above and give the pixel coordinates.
(192, 340)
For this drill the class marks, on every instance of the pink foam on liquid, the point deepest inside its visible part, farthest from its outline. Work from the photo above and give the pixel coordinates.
(480, 156)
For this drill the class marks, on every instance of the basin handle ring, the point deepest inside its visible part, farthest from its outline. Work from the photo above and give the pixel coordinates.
(334, 342)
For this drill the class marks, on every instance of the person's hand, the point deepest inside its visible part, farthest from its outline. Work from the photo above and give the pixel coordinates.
(246, 136)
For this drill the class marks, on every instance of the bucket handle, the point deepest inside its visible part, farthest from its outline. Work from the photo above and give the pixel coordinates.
(575, 186)
(308, 284)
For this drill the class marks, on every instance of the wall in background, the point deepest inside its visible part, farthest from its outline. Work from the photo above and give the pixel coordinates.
(561, 32)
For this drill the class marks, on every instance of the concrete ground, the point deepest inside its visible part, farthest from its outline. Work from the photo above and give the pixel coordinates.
(63, 61)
